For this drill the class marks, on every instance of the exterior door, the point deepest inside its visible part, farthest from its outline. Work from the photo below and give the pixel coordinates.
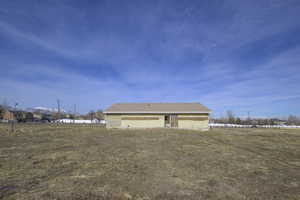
(174, 121)
(167, 121)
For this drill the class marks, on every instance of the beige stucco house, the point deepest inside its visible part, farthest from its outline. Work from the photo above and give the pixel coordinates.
(157, 115)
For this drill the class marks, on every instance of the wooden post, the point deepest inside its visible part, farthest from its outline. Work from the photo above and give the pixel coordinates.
(12, 128)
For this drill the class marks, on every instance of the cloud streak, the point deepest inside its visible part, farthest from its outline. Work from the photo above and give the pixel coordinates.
(226, 54)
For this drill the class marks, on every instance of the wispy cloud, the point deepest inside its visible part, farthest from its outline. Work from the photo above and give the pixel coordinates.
(227, 54)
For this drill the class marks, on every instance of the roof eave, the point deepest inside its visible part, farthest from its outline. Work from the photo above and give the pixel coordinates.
(157, 112)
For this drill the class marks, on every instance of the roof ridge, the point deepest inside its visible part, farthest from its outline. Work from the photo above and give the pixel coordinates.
(158, 103)
(165, 107)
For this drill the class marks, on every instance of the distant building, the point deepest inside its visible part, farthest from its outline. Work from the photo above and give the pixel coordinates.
(7, 115)
(32, 117)
(157, 115)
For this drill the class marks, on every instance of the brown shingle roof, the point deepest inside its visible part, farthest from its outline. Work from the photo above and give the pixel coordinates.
(157, 108)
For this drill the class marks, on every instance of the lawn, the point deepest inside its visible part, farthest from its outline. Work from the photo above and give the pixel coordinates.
(90, 162)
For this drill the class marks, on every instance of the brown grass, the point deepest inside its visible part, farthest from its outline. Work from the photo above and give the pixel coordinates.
(83, 162)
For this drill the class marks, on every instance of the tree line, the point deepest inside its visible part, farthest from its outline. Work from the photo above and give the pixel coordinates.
(8, 113)
(231, 118)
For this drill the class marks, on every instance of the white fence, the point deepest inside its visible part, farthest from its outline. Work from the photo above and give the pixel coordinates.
(218, 125)
(79, 121)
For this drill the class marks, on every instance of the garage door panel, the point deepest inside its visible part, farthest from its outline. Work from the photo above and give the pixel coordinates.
(141, 121)
(193, 121)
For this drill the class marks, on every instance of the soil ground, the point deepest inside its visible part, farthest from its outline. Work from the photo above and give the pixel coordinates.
(90, 162)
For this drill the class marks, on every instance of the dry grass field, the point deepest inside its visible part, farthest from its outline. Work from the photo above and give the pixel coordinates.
(77, 162)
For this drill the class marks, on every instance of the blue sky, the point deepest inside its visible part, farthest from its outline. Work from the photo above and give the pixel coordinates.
(229, 55)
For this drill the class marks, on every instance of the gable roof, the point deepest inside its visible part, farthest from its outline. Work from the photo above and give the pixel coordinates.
(157, 108)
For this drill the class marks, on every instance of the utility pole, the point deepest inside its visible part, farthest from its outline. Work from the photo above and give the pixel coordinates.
(248, 119)
(13, 120)
(58, 108)
(74, 113)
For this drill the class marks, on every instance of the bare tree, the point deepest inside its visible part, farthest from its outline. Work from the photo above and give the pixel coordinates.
(230, 117)
(2, 111)
(211, 118)
(91, 114)
(293, 120)
(238, 121)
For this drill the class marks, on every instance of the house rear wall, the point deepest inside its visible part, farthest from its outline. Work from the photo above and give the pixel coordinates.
(185, 121)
